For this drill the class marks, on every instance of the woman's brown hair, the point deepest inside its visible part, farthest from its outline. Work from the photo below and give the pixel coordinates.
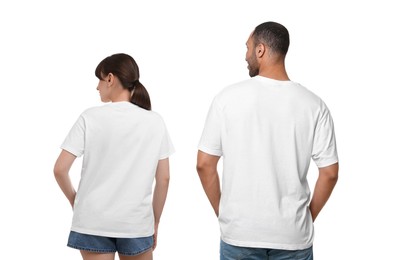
(125, 68)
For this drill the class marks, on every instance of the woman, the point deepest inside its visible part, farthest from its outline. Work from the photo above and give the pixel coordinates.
(125, 146)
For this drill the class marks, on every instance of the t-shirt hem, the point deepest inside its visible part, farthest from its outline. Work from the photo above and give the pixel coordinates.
(253, 244)
(111, 234)
(325, 163)
(71, 150)
(209, 151)
(166, 155)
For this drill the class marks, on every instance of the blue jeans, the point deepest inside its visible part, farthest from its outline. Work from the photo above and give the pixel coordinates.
(99, 244)
(229, 252)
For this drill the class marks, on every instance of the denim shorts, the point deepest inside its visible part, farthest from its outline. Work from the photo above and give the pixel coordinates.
(229, 252)
(99, 244)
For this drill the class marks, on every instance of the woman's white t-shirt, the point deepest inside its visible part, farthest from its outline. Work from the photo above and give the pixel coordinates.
(122, 144)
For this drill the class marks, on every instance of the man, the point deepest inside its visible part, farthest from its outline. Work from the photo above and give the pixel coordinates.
(267, 129)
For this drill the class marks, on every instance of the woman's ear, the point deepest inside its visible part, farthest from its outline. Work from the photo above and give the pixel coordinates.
(110, 79)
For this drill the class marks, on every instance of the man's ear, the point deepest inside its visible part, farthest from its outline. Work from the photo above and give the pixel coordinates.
(260, 50)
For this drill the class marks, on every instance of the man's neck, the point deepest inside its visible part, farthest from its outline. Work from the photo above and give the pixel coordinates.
(276, 71)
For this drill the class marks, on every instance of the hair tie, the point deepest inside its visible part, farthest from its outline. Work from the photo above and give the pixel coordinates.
(133, 84)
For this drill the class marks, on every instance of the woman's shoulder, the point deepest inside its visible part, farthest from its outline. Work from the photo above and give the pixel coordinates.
(93, 109)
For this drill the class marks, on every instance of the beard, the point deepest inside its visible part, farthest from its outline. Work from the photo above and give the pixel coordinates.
(253, 66)
(253, 71)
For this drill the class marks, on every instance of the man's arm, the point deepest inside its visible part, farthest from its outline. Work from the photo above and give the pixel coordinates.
(207, 170)
(323, 188)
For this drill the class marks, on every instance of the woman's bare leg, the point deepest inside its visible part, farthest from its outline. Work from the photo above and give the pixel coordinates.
(97, 256)
(144, 256)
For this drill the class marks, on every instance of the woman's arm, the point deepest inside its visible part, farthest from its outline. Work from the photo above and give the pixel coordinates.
(61, 173)
(160, 193)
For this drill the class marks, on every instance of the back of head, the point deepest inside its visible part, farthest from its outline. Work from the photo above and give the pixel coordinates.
(274, 35)
(125, 68)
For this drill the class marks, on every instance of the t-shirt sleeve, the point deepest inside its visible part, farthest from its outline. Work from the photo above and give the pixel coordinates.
(166, 148)
(324, 150)
(210, 141)
(74, 141)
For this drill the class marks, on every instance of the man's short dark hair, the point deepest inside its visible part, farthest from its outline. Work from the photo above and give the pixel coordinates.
(274, 35)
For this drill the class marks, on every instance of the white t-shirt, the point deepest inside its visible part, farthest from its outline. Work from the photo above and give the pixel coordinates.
(267, 132)
(122, 144)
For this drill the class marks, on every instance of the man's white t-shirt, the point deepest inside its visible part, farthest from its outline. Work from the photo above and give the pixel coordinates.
(122, 144)
(267, 132)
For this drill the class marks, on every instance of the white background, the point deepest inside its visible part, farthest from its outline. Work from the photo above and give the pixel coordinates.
(344, 51)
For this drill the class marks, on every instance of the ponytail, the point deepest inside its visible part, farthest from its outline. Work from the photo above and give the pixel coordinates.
(140, 96)
(125, 68)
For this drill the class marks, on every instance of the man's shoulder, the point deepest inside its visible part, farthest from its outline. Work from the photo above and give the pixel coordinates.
(305, 91)
(239, 84)
(310, 98)
(235, 87)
